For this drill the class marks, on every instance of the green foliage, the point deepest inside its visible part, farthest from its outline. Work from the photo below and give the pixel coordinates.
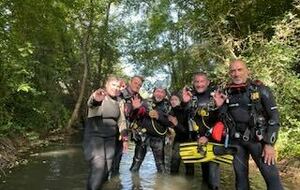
(43, 44)
(25, 88)
(207, 34)
(272, 61)
(41, 65)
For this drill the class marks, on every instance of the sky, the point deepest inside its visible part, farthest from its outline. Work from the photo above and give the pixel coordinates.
(159, 78)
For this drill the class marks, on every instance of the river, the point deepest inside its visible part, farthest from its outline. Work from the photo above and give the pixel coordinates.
(62, 167)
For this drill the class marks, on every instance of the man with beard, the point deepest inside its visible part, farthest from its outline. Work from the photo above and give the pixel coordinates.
(251, 111)
(200, 105)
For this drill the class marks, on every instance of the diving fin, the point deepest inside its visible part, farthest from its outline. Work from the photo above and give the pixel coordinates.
(189, 152)
(226, 159)
(193, 153)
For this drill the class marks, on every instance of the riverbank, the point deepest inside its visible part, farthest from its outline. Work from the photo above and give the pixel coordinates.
(290, 169)
(14, 152)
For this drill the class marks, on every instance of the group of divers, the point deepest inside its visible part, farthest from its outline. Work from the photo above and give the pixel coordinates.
(207, 125)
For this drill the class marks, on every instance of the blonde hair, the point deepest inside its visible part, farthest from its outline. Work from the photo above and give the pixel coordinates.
(111, 78)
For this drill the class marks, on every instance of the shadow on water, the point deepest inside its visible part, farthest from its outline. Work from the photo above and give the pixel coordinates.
(62, 167)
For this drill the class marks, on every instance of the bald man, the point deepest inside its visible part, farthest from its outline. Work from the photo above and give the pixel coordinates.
(252, 108)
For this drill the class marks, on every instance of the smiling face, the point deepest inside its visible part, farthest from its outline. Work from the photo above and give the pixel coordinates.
(135, 84)
(159, 94)
(113, 87)
(200, 83)
(174, 101)
(238, 72)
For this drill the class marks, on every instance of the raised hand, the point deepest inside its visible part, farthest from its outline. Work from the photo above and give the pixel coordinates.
(186, 95)
(99, 95)
(219, 98)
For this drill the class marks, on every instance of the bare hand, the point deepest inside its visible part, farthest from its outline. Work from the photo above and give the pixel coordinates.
(186, 95)
(153, 114)
(99, 95)
(136, 102)
(219, 98)
(173, 120)
(202, 140)
(269, 154)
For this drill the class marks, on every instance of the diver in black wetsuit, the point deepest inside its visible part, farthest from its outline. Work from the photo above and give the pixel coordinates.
(253, 119)
(179, 119)
(151, 119)
(200, 106)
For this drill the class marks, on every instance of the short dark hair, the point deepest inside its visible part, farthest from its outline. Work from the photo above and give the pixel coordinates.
(175, 93)
(166, 90)
(178, 94)
(139, 77)
(200, 73)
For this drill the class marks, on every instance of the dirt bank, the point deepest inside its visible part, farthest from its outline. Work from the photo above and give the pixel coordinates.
(290, 169)
(13, 151)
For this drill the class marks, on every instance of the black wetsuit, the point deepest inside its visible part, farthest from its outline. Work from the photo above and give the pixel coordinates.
(203, 101)
(154, 131)
(253, 119)
(126, 96)
(182, 135)
(100, 134)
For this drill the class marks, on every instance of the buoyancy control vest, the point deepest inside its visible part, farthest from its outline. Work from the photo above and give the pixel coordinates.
(158, 127)
(252, 108)
(102, 119)
(203, 112)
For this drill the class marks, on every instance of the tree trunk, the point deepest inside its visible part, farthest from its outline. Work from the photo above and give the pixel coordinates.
(84, 60)
(103, 50)
(85, 48)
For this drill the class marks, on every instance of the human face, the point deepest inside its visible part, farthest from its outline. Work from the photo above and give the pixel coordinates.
(113, 88)
(123, 84)
(174, 101)
(135, 84)
(200, 83)
(238, 72)
(159, 94)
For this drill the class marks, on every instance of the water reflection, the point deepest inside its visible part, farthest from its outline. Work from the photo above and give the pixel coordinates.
(62, 167)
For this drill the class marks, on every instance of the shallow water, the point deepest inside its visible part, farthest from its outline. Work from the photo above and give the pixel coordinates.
(62, 167)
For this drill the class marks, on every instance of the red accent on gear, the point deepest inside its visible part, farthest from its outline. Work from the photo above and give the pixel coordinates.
(142, 111)
(218, 131)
